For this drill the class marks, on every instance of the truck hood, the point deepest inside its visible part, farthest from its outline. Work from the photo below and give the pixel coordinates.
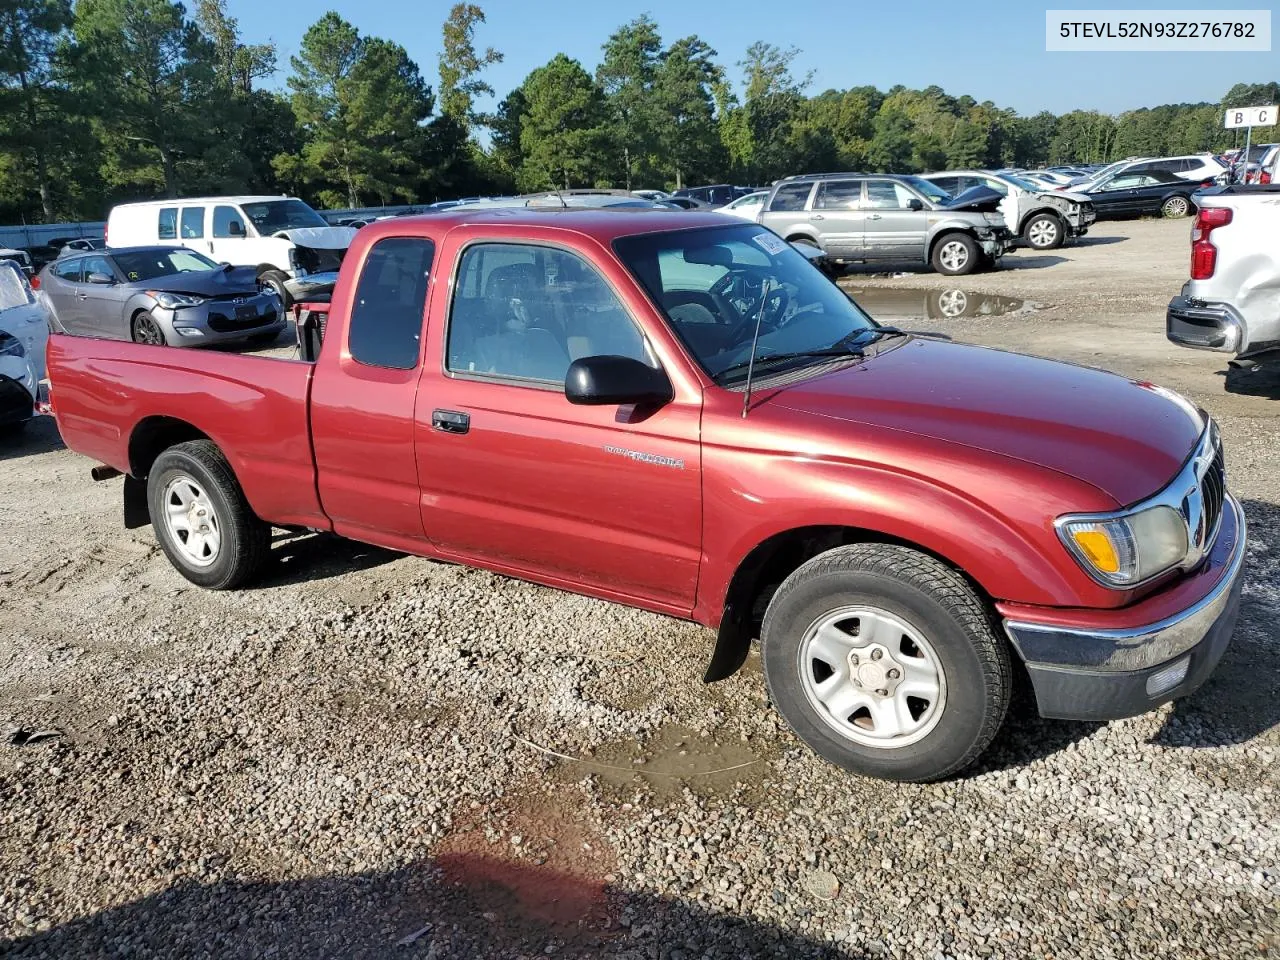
(320, 238)
(1069, 194)
(1126, 438)
(222, 282)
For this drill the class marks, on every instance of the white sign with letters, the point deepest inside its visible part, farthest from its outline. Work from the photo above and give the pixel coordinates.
(1251, 117)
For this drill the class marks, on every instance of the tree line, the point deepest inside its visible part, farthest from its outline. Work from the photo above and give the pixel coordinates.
(109, 100)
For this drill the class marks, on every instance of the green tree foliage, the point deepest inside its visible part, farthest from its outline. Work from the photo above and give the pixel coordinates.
(150, 75)
(460, 66)
(627, 76)
(37, 125)
(562, 127)
(688, 139)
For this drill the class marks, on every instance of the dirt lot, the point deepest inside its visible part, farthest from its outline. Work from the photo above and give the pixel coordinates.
(374, 755)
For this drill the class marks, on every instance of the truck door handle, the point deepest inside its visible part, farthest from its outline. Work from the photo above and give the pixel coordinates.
(874, 216)
(82, 296)
(450, 421)
(816, 216)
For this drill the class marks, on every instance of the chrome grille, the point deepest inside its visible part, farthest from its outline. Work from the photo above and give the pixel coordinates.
(1213, 491)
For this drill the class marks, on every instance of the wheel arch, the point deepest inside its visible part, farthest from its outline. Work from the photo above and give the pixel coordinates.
(945, 230)
(760, 573)
(795, 234)
(150, 437)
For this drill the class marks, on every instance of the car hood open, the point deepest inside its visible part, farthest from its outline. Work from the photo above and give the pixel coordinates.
(981, 199)
(1124, 437)
(220, 282)
(320, 238)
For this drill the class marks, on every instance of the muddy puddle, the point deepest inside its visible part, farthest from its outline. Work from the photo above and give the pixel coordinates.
(900, 306)
(670, 760)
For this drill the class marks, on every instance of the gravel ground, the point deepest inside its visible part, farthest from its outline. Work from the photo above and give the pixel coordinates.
(375, 755)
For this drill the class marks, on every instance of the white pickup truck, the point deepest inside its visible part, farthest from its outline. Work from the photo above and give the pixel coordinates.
(1231, 304)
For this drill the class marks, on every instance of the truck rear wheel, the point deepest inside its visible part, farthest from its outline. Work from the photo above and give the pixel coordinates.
(201, 518)
(884, 661)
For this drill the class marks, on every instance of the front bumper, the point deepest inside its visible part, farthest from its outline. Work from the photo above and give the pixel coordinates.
(1203, 325)
(1106, 674)
(221, 321)
(997, 243)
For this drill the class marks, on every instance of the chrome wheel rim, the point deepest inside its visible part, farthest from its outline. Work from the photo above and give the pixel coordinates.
(1043, 233)
(954, 255)
(191, 521)
(872, 677)
(148, 332)
(952, 303)
(1175, 207)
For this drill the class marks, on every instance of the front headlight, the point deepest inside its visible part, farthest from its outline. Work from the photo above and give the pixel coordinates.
(1126, 550)
(170, 300)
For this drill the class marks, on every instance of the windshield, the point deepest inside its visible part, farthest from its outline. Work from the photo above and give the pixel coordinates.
(714, 284)
(149, 264)
(929, 189)
(272, 216)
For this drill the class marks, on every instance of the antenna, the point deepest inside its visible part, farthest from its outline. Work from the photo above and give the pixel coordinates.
(755, 338)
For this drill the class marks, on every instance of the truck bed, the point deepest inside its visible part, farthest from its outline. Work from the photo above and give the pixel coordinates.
(111, 399)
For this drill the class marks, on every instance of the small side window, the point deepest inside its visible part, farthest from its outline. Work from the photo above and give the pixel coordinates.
(839, 195)
(167, 228)
(227, 222)
(192, 223)
(69, 270)
(386, 321)
(792, 197)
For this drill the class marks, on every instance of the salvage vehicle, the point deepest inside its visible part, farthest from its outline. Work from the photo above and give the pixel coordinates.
(1231, 304)
(158, 295)
(678, 412)
(24, 331)
(282, 238)
(1132, 194)
(1042, 219)
(854, 217)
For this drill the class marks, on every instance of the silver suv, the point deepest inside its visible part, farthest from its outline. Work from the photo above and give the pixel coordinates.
(868, 217)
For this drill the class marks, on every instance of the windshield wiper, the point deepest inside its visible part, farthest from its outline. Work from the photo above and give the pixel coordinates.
(789, 355)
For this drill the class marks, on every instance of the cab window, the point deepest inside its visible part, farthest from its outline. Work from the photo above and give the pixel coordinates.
(227, 222)
(385, 328)
(525, 312)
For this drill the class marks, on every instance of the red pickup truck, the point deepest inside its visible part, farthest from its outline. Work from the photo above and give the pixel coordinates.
(677, 411)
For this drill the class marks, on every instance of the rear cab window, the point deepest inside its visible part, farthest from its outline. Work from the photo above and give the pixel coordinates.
(385, 329)
(69, 270)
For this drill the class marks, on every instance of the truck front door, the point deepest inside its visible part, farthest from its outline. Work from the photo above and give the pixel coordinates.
(362, 399)
(515, 477)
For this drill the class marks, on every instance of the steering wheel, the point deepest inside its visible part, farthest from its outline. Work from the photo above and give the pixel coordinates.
(769, 309)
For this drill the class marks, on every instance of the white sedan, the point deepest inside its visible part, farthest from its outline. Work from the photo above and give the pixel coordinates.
(747, 207)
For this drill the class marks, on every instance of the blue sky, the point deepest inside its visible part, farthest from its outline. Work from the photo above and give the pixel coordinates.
(992, 51)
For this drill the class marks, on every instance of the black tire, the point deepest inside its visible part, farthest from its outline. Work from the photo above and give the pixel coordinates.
(941, 606)
(1044, 231)
(1176, 207)
(145, 329)
(245, 540)
(941, 257)
(13, 430)
(275, 279)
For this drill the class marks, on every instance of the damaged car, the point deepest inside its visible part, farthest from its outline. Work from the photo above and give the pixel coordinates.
(24, 333)
(281, 238)
(1042, 219)
(158, 295)
(856, 217)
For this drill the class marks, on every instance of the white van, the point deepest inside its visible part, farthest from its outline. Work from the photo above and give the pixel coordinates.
(287, 241)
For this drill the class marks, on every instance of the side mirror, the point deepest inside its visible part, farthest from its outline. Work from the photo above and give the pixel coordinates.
(101, 278)
(235, 228)
(914, 204)
(612, 381)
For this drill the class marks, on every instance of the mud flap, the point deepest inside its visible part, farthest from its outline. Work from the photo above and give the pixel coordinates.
(733, 643)
(136, 512)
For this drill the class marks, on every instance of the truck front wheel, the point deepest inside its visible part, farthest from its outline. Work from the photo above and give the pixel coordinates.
(955, 254)
(273, 280)
(201, 518)
(884, 661)
(1044, 231)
